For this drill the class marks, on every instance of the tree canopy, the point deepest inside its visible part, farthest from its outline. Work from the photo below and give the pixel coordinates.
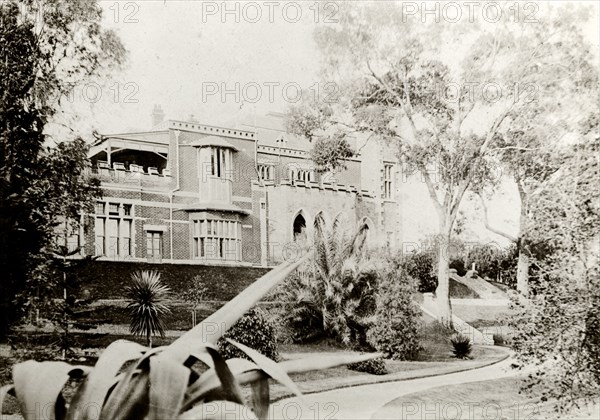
(449, 98)
(46, 49)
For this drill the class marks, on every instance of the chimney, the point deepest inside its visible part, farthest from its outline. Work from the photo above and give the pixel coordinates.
(158, 115)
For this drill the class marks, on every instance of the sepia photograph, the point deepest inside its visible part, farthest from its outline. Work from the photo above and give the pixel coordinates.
(299, 210)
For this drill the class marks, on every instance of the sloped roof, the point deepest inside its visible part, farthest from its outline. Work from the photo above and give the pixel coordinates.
(214, 206)
(213, 141)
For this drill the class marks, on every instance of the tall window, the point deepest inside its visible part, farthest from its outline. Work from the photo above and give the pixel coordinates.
(113, 229)
(217, 239)
(219, 161)
(387, 181)
(215, 173)
(154, 246)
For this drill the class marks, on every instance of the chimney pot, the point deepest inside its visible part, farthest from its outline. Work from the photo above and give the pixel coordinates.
(158, 115)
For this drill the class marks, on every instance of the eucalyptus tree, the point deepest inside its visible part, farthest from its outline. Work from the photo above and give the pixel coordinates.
(531, 149)
(561, 322)
(441, 94)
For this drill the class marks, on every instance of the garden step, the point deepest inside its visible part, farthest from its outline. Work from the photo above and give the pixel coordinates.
(484, 289)
(462, 327)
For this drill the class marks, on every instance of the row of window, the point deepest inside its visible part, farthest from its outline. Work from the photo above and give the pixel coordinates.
(217, 239)
(113, 209)
(267, 173)
(212, 239)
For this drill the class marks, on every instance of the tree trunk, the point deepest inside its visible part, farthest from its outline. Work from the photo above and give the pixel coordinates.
(523, 260)
(523, 272)
(149, 339)
(442, 292)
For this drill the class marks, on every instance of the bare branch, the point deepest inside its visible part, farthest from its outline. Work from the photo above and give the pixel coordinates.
(491, 228)
(431, 189)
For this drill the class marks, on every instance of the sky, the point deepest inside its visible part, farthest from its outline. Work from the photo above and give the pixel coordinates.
(194, 58)
(174, 55)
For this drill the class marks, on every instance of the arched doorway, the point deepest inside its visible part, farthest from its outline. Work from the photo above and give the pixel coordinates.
(299, 229)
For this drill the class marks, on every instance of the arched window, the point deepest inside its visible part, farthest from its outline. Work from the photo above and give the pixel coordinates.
(299, 229)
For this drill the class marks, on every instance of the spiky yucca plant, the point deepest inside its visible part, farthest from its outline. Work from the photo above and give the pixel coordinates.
(461, 346)
(146, 300)
(188, 379)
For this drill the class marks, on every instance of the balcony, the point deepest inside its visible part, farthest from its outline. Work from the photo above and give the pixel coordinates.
(135, 176)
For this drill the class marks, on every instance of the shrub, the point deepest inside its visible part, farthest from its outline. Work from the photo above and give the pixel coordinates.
(494, 263)
(373, 366)
(461, 346)
(146, 296)
(501, 340)
(420, 266)
(254, 330)
(395, 329)
(302, 314)
(459, 265)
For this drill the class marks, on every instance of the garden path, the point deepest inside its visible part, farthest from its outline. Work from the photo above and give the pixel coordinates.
(362, 402)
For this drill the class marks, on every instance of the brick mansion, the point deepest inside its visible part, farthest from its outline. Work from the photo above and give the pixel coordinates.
(242, 194)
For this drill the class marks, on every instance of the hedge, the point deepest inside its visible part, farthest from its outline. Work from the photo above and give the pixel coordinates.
(107, 279)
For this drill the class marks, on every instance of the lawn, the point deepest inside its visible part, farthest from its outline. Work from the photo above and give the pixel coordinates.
(342, 377)
(493, 399)
(435, 358)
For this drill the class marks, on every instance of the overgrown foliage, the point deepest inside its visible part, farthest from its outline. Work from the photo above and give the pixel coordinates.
(420, 266)
(395, 329)
(330, 153)
(46, 49)
(147, 302)
(254, 330)
(561, 320)
(494, 263)
(303, 306)
(395, 83)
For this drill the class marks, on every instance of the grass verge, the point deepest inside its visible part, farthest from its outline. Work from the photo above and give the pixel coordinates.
(498, 398)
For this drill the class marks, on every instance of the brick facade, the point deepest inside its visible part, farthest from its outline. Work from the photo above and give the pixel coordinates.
(203, 197)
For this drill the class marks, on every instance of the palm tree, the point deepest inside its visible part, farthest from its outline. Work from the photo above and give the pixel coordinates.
(335, 294)
(146, 297)
(348, 277)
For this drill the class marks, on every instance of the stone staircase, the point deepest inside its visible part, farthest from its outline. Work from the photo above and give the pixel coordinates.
(477, 337)
(484, 289)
